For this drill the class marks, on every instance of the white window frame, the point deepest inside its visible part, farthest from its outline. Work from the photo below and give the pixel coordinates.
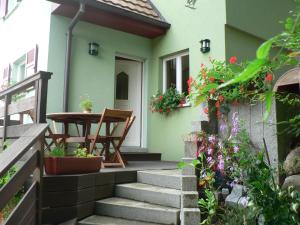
(178, 71)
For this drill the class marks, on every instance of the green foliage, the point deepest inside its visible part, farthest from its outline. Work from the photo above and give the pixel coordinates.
(4, 179)
(208, 206)
(86, 103)
(292, 126)
(57, 151)
(82, 152)
(170, 101)
(9, 207)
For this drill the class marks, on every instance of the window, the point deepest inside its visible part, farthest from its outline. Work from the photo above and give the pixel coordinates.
(8, 6)
(176, 71)
(18, 69)
(122, 86)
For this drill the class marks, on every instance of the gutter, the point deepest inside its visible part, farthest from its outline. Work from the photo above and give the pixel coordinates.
(74, 21)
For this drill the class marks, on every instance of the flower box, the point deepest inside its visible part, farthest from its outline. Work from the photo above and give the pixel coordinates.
(72, 165)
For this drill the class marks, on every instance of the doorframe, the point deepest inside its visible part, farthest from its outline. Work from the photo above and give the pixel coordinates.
(144, 111)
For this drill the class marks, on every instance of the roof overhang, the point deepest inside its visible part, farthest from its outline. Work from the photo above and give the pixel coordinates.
(113, 17)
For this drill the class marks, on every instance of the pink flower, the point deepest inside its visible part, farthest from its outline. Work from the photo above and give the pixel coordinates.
(210, 151)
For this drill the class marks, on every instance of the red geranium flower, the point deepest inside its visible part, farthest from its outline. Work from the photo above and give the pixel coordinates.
(217, 104)
(269, 77)
(212, 91)
(232, 60)
(219, 114)
(160, 110)
(205, 110)
(221, 98)
(190, 81)
(212, 79)
(161, 98)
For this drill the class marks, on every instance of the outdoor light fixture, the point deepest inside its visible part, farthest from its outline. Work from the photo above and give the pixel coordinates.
(205, 45)
(93, 48)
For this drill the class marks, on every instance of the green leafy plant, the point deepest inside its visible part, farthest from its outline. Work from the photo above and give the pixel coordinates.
(82, 152)
(86, 103)
(170, 101)
(57, 151)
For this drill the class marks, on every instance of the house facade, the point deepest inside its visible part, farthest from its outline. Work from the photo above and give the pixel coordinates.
(144, 46)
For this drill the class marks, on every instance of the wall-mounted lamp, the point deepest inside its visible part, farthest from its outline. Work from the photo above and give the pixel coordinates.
(205, 45)
(93, 48)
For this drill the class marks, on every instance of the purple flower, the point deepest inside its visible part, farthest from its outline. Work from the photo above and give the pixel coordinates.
(210, 151)
(235, 124)
(243, 201)
(220, 165)
(236, 149)
(209, 159)
(223, 127)
(212, 139)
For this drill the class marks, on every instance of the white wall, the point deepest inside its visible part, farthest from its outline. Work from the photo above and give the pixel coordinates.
(26, 26)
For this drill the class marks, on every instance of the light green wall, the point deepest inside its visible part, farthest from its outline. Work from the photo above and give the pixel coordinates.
(258, 17)
(188, 27)
(89, 74)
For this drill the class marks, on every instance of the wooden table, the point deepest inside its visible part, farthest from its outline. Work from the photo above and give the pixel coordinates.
(84, 119)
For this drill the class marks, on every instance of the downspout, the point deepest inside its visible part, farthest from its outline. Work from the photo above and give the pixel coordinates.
(74, 21)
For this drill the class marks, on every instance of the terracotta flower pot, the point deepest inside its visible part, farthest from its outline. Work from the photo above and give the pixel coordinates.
(72, 165)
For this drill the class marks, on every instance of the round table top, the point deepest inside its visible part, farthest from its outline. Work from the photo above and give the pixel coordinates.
(80, 117)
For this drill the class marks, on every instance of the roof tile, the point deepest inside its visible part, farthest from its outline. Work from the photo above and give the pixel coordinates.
(142, 7)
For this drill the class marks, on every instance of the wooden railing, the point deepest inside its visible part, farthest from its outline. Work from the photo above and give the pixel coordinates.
(27, 145)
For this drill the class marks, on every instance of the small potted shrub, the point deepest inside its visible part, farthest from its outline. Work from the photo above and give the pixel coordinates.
(86, 104)
(56, 162)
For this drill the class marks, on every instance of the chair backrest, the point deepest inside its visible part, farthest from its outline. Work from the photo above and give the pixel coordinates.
(121, 118)
(117, 113)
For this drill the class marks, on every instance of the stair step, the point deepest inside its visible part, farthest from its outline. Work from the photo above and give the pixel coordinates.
(141, 156)
(135, 210)
(105, 220)
(162, 178)
(149, 193)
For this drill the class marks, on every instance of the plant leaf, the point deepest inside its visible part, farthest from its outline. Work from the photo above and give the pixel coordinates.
(263, 51)
(199, 100)
(180, 165)
(268, 103)
(250, 71)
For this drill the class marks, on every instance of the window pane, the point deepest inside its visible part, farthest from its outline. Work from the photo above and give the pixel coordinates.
(122, 86)
(171, 73)
(185, 73)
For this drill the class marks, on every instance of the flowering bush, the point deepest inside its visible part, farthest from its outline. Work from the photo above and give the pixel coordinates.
(232, 157)
(205, 86)
(167, 102)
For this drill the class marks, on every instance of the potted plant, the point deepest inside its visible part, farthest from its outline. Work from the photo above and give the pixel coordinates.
(86, 104)
(56, 162)
(165, 103)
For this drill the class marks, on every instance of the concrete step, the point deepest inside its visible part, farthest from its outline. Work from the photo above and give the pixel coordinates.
(135, 210)
(162, 178)
(149, 193)
(105, 220)
(141, 156)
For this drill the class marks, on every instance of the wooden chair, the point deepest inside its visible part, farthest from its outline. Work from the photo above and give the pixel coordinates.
(122, 121)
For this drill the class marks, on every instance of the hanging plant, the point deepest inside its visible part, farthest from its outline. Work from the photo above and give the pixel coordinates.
(205, 86)
(167, 102)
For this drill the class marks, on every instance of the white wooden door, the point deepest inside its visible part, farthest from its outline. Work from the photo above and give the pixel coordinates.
(128, 96)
